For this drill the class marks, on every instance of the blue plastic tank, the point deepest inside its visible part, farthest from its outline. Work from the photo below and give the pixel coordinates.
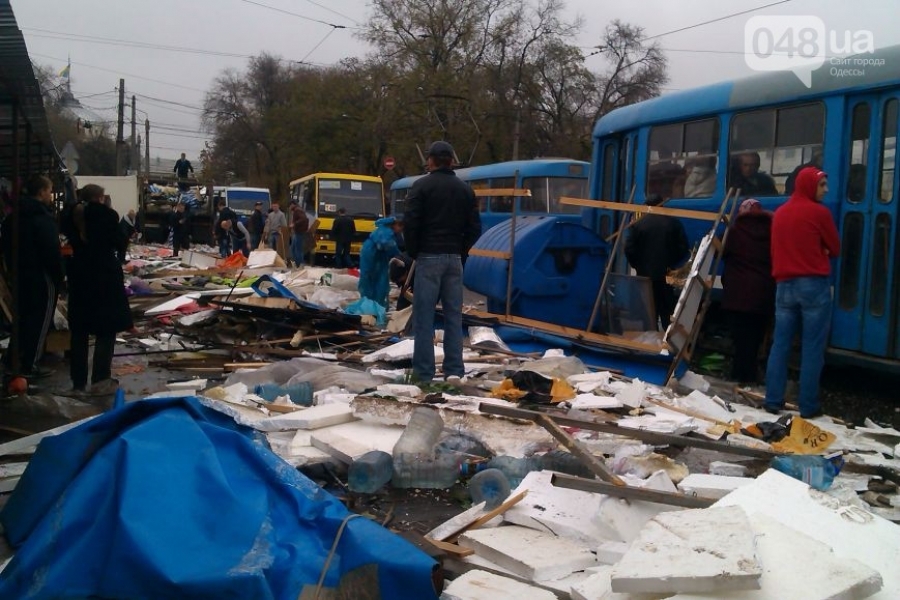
(557, 269)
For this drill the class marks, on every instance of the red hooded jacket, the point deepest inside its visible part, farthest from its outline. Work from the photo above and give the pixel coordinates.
(804, 236)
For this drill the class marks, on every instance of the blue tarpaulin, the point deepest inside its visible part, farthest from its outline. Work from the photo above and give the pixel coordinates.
(170, 499)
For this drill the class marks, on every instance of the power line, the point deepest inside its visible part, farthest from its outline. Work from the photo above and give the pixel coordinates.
(120, 73)
(716, 20)
(299, 16)
(322, 6)
(59, 35)
(322, 41)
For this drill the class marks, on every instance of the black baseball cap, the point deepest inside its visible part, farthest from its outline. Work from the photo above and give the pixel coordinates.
(440, 148)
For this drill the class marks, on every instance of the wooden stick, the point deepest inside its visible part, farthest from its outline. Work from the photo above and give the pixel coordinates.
(454, 549)
(596, 466)
(685, 411)
(629, 492)
(510, 502)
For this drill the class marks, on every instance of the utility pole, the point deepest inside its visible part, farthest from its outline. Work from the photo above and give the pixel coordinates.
(147, 149)
(120, 137)
(517, 133)
(133, 161)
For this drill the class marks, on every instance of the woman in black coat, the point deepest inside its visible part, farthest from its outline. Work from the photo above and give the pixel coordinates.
(748, 286)
(98, 305)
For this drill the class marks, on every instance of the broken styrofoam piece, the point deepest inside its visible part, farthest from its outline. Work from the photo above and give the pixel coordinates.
(399, 389)
(481, 585)
(745, 441)
(694, 381)
(700, 550)
(315, 417)
(700, 403)
(343, 448)
(597, 587)
(555, 510)
(633, 394)
(592, 401)
(528, 553)
(621, 520)
(609, 553)
(711, 486)
(853, 533)
(727, 469)
(263, 258)
(591, 380)
(662, 422)
(191, 384)
(402, 350)
(785, 553)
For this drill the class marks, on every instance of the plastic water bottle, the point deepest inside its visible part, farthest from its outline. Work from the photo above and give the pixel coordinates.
(421, 433)
(515, 469)
(816, 471)
(299, 393)
(565, 462)
(415, 463)
(490, 486)
(369, 472)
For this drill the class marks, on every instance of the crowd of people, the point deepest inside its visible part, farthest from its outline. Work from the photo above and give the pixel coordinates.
(776, 267)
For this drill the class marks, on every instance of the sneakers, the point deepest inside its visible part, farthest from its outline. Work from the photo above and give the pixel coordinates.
(772, 410)
(816, 413)
(105, 387)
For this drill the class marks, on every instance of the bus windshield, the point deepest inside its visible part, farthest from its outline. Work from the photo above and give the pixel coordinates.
(241, 201)
(358, 198)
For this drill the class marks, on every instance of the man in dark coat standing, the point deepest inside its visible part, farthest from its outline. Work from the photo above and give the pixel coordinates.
(179, 221)
(97, 302)
(442, 224)
(748, 293)
(655, 244)
(343, 231)
(182, 166)
(40, 273)
(256, 224)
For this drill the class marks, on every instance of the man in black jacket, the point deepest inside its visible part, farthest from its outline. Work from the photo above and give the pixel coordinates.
(442, 224)
(257, 223)
(39, 276)
(655, 244)
(343, 231)
(182, 166)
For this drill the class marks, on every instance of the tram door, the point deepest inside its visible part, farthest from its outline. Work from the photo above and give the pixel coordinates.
(617, 178)
(867, 291)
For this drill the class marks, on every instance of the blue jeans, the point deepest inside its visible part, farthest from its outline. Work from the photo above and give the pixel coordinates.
(273, 240)
(437, 277)
(224, 246)
(297, 249)
(803, 303)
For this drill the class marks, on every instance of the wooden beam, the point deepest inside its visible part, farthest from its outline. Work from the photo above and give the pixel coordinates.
(628, 492)
(597, 467)
(454, 549)
(651, 437)
(571, 332)
(490, 253)
(509, 503)
(516, 192)
(643, 209)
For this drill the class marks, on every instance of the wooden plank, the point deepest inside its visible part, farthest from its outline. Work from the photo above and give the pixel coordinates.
(642, 209)
(577, 334)
(628, 492)
(454, 549)
(510, 502)
(596, 466)
(651, 437)
(489, 253)
(514, 192)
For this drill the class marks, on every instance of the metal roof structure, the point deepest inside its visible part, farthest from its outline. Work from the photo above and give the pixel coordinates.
(25, 142)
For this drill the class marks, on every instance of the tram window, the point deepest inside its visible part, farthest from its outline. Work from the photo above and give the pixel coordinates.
(881, 245)
(502, 204)
(784, 140)
(682, 159)
(481, 184)
(851, 250)
(570, 187)
(537, 203)
(623, 169)
(634, 164)
(888, 154)
(859, 152)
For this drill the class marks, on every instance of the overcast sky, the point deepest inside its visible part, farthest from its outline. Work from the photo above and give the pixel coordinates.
(170, 84)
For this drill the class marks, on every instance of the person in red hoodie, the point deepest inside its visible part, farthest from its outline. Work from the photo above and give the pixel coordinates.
(804, 240)
(748, 288)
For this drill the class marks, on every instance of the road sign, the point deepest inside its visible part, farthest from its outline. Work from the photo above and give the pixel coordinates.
(389, 162)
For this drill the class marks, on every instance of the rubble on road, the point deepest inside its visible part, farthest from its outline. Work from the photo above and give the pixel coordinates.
(615, 488)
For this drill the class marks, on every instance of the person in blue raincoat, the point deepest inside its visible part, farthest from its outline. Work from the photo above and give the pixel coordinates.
(376, 254)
